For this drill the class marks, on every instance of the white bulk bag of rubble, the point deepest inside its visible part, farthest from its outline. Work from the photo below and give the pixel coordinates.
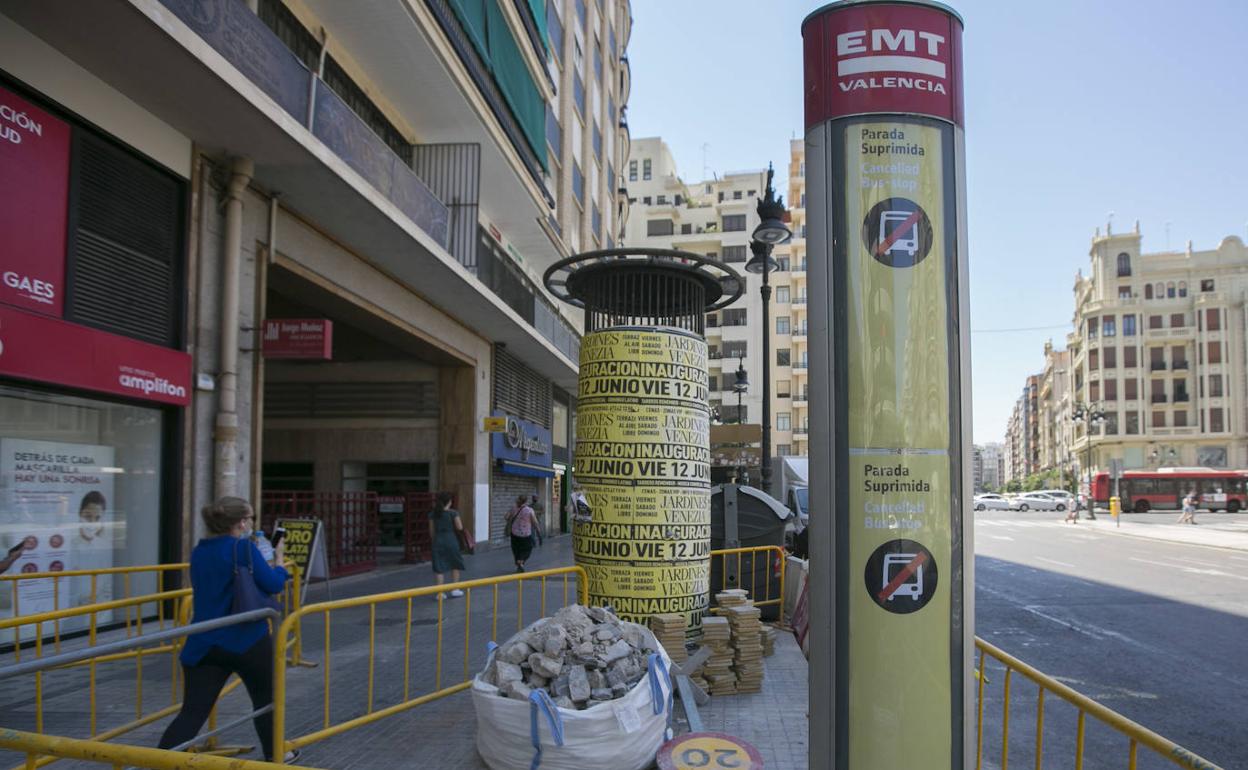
(621, 734)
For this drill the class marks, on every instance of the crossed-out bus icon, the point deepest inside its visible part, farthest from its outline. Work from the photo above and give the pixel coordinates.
(912, 586)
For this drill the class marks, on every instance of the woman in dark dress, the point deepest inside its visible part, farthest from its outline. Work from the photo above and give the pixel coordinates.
(443, 523)
(521, 526)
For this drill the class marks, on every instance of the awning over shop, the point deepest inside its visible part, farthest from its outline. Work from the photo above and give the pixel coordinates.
(523, 469)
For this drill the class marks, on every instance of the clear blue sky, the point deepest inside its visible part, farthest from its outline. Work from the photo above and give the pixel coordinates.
(1074, 110)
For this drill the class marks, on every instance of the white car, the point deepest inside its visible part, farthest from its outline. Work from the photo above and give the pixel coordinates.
(1037, 501)
(991, 502)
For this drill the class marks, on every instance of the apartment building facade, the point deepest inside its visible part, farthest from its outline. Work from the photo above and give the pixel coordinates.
(299, 246)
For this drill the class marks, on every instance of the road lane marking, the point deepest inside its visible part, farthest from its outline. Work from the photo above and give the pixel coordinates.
(1055, 561)
(1000, 537)
(1187, 569)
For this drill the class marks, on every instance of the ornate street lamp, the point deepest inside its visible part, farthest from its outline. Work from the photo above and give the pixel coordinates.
(1090, 415)
(771, 230)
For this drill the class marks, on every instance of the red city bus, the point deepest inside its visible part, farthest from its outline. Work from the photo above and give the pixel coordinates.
(1164, 488)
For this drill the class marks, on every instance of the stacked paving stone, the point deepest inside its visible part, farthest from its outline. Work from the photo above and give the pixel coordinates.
(746, 629)
(669, 629)
(768, 638)
(733, 597)
(580, 656)
(717, 672)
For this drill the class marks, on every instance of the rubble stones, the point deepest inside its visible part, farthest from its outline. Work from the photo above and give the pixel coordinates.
(578, 684)
(581, 657)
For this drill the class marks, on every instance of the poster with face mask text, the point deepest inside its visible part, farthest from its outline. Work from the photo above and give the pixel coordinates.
(55, 499)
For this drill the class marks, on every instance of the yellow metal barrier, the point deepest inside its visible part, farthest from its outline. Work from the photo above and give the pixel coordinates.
(117, 755)
(58, 579)
(135, 614)
(282, 744)
(773, 552)
(1137, 735)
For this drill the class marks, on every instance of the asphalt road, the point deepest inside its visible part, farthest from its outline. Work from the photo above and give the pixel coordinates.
(1157, 631)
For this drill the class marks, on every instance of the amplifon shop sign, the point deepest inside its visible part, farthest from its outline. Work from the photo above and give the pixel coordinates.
(34, 153)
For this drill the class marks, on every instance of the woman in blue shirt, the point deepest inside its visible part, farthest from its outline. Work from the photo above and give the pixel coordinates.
(245, 649)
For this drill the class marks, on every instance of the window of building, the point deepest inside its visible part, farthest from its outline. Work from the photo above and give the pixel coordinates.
(1110, 425)
(1124, 292)
(1215, 420)
(1213, 319)
(1130, 389)
(1156, 322)
(1182, 288)
(782, 324)
(735, 316)
(554, 26)
(1159, 419)
(1156, 359)
(1180, 419)
(783, 421)
(597, 59)
(1178, 357)
(783, 389)
(782, 264)
(1215, 353)
(735, 349)
(632, 171)
(782, 294)
(784, 450)
(597, 141)
(1158, 395)
(1091, 325)
(646, 200)
(578, 95)
(1133, 423)
(1159, 289)
(645, 168)
(1111, 358)
(1109, 326)
(1128, 326)
(1094, 360)
(782, 357)
(734, 253)
(733, 415)
(734, 223)
(1148, 291)
(1129, 357)
(1170, 292)
(1124, 265)
(578, 183)
(659, 227)
(686, 229)
(1206, 284)
(1177, 320)
(1215, 386)
(1111, 390)
(736, 195)
(1179, 389)
(712, 382)
(662, 200)
(1094, 390)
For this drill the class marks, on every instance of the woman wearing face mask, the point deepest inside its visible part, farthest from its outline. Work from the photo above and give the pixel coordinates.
(245, 649)
(90, 549)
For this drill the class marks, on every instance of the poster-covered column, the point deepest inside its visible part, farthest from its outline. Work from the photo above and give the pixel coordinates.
(891, 588)
(643, 459)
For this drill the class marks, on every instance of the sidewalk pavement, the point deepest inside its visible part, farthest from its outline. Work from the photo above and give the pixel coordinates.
(1217, 530)
(440, 734)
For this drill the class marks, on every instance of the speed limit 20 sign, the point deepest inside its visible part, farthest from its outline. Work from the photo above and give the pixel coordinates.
(708, 751)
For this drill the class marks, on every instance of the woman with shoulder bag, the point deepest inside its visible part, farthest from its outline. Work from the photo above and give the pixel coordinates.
(444, 523)
(521, 527)
(218, 564)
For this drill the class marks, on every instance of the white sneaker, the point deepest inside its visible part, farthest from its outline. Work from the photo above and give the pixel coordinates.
(456, 593)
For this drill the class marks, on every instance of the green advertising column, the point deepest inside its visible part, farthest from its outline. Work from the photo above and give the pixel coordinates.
(891, 622)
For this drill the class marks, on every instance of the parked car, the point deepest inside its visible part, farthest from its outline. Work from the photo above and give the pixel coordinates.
(1037, 501)
(991, 502)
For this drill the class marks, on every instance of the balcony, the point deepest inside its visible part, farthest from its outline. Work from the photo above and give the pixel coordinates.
(1182, 398)
(1157, 366)
(799, 332)
(799, 301)
(1186, 430)
(1158, 398)
(801, 364)
(801, 399)
(1179, 366)
(801, 431)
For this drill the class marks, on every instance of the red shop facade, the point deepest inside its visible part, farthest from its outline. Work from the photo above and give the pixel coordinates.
(94, 377)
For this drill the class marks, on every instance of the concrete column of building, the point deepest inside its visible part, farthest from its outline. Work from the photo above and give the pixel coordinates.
(457, 435)
(225, 433)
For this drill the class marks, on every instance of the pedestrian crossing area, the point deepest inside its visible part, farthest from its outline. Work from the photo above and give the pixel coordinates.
(1018, 524)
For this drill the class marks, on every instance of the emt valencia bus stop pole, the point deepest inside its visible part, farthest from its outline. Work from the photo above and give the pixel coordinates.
(891, 584)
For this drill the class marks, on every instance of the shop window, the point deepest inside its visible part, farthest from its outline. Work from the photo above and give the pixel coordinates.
(83, 487)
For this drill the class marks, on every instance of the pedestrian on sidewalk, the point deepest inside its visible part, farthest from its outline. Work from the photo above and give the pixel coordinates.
(227, 554)
(1189, 509)
(522, 527)
(444, 521)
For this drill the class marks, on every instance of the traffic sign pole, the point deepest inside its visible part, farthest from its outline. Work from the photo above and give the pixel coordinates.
(891, 582)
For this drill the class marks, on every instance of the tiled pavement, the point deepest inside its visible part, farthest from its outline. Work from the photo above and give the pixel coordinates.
(439, 734)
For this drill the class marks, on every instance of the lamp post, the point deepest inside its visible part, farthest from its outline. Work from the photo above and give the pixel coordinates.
(1089, 415)
(740, 385)
(771, 230)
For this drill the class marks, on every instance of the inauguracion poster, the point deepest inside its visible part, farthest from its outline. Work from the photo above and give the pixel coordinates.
(55, 499)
